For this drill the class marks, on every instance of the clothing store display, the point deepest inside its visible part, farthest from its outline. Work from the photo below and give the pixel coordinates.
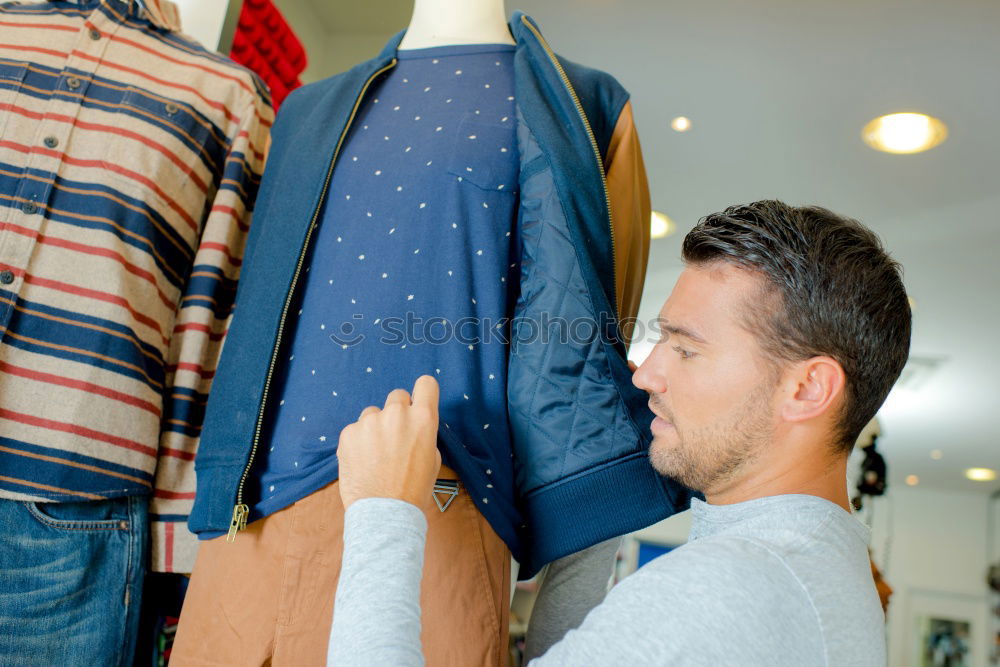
(77, 591)
(578, 427)
(782, 580)
(416, 228)
(266, 44)
(267, 598)
(129, 161)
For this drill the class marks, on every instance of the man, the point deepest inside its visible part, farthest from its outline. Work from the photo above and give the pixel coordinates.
(781, 339)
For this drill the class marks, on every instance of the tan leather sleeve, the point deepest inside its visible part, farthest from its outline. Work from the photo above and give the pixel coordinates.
(628, 191)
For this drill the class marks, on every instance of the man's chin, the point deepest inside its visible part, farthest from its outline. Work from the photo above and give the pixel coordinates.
(666, 459)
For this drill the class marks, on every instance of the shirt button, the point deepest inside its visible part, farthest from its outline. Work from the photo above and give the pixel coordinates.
(51, 142)
(95, 34)
(73, 83)
(171, 108)
(29, 207)
(6, 277)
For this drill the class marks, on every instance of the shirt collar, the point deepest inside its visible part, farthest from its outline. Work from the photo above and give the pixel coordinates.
(162, 13)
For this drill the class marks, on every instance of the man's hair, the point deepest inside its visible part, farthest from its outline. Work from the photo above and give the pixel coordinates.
(831, 289)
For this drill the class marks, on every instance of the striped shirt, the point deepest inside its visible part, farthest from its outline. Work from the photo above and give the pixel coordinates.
(129, 160)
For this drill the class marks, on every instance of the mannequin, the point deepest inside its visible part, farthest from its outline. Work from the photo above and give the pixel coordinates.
(419, 218)
(164, 169)
(419, 213)
(447, 22)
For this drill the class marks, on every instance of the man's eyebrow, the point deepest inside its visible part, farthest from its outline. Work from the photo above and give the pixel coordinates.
(675, 330)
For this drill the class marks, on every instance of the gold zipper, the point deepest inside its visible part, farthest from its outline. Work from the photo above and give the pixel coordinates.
(241, 510)
(593, 145)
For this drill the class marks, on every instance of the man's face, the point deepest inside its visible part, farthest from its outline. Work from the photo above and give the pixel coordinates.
(709, 384)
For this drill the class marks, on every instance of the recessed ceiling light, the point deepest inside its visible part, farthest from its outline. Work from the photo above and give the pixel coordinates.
(912, 480)
(936, 454)
(904, 133)
(681, 124)
(981, 474)
(661, 225)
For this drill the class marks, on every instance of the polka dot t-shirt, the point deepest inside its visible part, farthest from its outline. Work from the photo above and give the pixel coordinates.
(412, 270)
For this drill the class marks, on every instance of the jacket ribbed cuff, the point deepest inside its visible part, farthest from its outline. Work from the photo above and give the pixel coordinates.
(622, 497)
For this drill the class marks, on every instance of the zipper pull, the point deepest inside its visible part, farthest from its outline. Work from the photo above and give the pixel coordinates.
(239, 521)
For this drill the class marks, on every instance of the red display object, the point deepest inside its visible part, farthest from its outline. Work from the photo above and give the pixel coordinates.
(265, 43)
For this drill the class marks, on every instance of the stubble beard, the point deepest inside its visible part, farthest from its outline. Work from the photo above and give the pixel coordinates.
(710, 457)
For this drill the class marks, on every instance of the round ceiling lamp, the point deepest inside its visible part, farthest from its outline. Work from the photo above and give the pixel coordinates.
(681, 124)
(981, 474)
(904, 133)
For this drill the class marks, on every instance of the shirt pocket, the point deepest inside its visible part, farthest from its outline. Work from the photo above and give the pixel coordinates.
(11, 76)
(484, 155)
(168, 144)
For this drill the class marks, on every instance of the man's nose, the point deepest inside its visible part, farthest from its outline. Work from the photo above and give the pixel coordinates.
(648, 376)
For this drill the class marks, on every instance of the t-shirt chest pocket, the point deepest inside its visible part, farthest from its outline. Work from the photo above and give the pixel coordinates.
(485, 154)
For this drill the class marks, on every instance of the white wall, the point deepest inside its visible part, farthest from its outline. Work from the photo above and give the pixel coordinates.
(931, 548)
(203, 19)
(328, 52)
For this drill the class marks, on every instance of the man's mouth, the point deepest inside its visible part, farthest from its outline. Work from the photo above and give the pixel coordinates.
(659, 416)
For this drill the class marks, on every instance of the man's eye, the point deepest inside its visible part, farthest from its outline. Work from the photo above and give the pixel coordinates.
(684, 354)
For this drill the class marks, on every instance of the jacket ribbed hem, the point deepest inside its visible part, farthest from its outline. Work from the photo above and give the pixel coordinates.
(623, 496)
(213, 505)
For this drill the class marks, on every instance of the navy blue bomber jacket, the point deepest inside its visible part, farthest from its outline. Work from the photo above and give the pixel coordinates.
(579, 428)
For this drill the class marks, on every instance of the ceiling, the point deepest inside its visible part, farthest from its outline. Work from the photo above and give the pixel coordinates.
(777, 91)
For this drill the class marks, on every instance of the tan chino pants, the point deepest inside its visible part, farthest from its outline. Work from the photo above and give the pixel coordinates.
(267, 598)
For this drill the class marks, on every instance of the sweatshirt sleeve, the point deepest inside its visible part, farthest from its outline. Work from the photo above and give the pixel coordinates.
(628, 192)
(200, 326)
(376, 614)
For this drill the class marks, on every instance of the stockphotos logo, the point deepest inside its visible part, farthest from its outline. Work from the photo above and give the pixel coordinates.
(411, 329)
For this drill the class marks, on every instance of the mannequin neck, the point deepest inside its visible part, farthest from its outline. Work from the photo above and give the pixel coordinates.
(448, 22)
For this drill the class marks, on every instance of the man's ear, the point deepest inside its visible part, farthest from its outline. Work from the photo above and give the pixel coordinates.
(815, 385)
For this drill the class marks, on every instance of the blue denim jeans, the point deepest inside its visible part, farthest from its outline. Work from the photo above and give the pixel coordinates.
(71, 580)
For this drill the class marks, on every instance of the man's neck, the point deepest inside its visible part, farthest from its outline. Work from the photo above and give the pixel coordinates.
(447, 22)
(814, 475)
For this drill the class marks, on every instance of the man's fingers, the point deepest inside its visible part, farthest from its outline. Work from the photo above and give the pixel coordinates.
(426, 392)
(400, 396)
(370, 410)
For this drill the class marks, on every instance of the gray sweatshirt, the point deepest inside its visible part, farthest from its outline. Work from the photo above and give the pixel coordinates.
(783, 580)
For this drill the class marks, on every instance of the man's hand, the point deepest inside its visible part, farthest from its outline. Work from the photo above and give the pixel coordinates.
(392, 452)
